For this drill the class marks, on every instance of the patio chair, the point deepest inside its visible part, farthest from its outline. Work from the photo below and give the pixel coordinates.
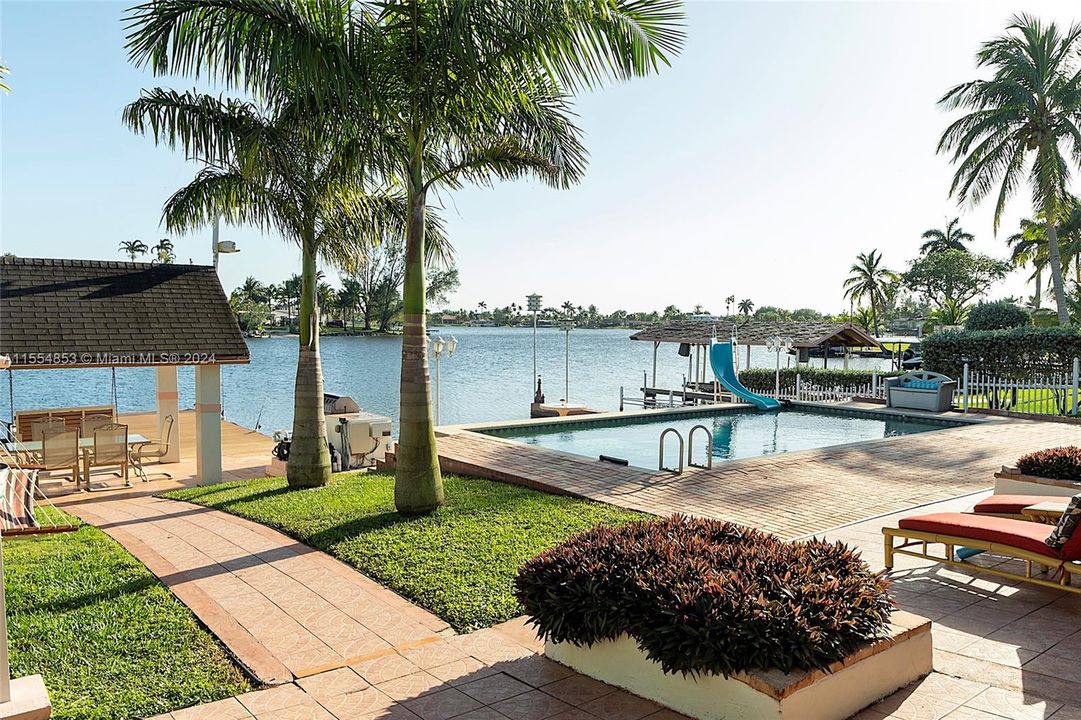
(39, 428)
(110, 450)
(60, 451)
(93, 422)
(153, 450)
(1019, 539)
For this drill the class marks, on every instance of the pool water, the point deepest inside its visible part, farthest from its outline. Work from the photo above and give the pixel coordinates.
(736, 434)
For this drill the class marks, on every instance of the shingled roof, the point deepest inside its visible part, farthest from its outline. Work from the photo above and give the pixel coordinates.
(755, 332)
(91, 313)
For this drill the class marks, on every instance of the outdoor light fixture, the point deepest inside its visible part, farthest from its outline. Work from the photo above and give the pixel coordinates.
(778, 344)
(438, 346)
(224, 247)
(533, 304)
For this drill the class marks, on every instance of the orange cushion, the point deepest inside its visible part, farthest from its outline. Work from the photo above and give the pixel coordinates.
(1015, 533)
(1009, 504)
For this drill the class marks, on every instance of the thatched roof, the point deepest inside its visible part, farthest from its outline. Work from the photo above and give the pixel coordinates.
(755, 332)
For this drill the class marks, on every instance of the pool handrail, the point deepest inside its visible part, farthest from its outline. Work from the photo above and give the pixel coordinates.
(660, 455)
(709, 448)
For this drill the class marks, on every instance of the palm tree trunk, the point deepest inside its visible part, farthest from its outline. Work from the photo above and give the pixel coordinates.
(418, 485)
(1038, 297)
(309, 456)
(1055, 260)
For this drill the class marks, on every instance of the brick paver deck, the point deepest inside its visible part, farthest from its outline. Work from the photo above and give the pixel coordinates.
(791, 494)
(283, 609)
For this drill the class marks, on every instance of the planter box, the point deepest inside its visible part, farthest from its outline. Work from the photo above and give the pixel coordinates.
(873, 672)
(1010, 481)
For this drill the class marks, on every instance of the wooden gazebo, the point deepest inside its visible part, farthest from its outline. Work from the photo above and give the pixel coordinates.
(65, 314)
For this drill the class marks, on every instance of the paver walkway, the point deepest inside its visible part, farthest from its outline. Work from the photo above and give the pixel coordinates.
(283, 609)
(790, 494)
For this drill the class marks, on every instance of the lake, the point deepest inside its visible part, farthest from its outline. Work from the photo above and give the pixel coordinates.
(487, 378)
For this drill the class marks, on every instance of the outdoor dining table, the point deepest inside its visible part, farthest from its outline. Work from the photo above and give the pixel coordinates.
(86, 444)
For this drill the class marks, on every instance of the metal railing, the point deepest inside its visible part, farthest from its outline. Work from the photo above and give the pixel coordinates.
(660, 452)
(709, 448)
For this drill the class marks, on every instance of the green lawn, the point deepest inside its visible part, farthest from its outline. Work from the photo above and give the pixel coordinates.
(458, 562)
(110, 640)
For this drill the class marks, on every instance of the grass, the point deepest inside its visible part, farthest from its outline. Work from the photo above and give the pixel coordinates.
(459, 562)
(110, 640)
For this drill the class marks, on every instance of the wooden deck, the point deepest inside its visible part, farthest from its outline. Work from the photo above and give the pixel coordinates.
(245, 455)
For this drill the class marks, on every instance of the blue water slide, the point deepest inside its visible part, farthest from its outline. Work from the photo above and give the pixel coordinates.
(720, 357)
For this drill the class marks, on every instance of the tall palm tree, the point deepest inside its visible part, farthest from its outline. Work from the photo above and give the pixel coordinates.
(745, 307)
(1029, 247)
(1019, 125)
(279, 172)
(254, 290)
(163, 251)
(133, 248)
(869, 280)
(952, 237)
(443, 93)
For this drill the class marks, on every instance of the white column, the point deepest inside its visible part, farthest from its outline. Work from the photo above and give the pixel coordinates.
(169, 404)
(208, 424)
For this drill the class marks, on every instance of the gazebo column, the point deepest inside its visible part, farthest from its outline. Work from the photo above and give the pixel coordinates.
(169, 404)
(208, 424)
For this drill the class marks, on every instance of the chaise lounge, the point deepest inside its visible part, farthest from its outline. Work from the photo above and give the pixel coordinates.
(1018, 539)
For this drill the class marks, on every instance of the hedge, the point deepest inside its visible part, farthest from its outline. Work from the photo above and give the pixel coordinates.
(1015, 353)
(998, 315)
(763, 380)
(707, 597)
(1061, 463)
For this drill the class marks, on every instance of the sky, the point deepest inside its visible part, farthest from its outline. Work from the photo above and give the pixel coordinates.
(783, 140)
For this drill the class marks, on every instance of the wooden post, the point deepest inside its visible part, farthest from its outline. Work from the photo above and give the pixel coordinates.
(655, 346)
(208, 424)
(168, 403)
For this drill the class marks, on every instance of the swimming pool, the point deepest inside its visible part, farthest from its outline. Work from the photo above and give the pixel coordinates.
(736, 433)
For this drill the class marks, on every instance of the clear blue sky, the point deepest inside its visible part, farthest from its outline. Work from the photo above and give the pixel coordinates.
(785, 139)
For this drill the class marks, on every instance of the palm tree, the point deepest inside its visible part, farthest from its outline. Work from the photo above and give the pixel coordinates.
(163, 251)
(869, 280)
(133, 248)
(1029, 247)
(951, 238)
(1020, 123)
(745, 307)
(254, 290)
(281, 172)
(3, 85)
(442, 92)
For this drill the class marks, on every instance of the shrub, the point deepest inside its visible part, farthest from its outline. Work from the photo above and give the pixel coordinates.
(1001, 315)
(763, 379)
(705, 596)
(1016, 353)
(1061, 463)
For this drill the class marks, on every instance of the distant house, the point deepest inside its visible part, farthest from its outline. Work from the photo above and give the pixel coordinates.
(703, 317)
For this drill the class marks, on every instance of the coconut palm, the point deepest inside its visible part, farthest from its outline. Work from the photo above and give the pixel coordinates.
(1029, 247)
(1022, 124)
(254, 290)
(133, 248)
(163, 251)
(869, 280)
(443, 93)
(952, 237)
(279, 172)
(3, 85)
(745, 307)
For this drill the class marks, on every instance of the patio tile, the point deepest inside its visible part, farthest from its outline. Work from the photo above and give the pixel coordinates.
(666, 714)
(311, 711)
(621, 705)
(533, 705)
(536, 670)
(261, 702)
(412, 686)
(494, 688)
(484, 713)
(433, 654)
(442, 705)
(1031, 635)
(227, 709)
(462, 671)
(335, 682)
(363, 703)
(1069, 712)
(383, 668)
(1013, 705)
(998, 652)
(932, 698)
(967, 713)
(1060, 667)
(578, 689)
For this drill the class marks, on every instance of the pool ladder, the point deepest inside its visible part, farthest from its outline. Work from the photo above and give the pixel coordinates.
(689, 447)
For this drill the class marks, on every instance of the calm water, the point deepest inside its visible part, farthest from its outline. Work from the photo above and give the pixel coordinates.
(488, 378)
(736, 435)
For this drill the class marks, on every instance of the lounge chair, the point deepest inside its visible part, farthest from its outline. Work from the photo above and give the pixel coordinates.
(1018, 539)
(1010, 506)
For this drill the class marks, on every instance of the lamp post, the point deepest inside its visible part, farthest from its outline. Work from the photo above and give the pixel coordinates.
(438, 346)
(567, 327)
(777, 344)
(533, 304)
(225, 247)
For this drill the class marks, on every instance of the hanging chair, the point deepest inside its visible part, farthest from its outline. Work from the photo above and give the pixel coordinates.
(24, 509)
